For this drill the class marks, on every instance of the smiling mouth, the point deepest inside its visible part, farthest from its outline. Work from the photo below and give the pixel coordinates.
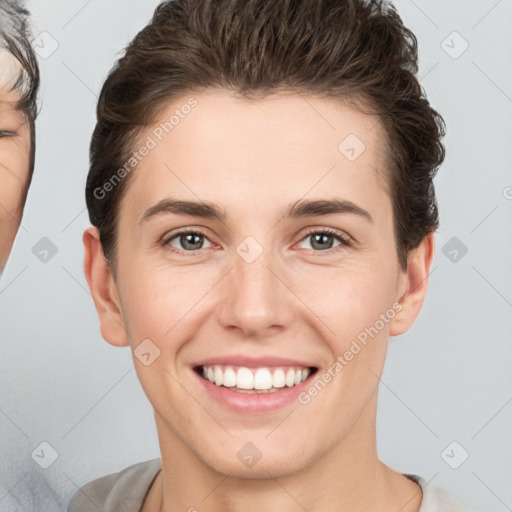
(242, 379)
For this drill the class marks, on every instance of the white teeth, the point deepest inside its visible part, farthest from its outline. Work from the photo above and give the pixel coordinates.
(278, 379)
(244, 378)
(218, 375)
(260, 380)
(229, 378)
(290, 377)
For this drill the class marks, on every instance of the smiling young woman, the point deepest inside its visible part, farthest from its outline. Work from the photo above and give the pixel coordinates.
(257, 251)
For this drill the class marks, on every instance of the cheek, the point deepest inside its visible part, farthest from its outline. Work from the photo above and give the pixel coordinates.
(159, 306)
(10, 190)
(349, 299)
(14, 170)
(159, 302)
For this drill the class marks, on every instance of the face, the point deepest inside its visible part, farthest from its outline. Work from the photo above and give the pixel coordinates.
(277, 290)
(14, 157)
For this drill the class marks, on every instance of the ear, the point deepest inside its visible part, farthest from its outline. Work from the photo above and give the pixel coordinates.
(412, 286)
(103, 290)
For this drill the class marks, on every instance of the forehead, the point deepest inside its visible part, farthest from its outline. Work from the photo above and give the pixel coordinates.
(11, 118)
(279, 148)
(10, 68)
(9, 72)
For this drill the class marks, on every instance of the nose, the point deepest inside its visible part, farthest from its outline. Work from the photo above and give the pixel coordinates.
(256, 299)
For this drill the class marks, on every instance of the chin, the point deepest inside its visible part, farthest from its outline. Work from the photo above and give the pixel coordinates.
(250, 463)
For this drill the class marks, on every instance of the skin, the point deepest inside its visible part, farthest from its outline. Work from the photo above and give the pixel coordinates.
(14, 169)
(254, 159)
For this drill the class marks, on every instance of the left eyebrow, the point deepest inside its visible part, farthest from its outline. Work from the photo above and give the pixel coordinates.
(299, 209)
(313, 208)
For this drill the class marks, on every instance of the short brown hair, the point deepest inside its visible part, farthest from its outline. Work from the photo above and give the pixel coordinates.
(356, 50)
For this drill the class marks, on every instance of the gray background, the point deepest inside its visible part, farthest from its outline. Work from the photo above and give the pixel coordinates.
(446, 380)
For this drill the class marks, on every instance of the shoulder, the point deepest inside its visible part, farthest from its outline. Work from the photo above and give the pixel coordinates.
(124, 490)
(436, 499)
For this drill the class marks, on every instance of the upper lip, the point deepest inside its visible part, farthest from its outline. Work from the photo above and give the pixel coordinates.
(252, 362)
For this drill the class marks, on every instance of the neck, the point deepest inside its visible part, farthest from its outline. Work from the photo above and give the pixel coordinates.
(349, 474)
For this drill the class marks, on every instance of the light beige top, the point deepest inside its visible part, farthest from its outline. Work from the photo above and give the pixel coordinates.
(125, 492)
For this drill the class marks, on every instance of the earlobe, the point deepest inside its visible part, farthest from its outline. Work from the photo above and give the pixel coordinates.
(103, 290)
(415, 282)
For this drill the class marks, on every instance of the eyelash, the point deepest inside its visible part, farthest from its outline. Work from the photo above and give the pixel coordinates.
(344, 240)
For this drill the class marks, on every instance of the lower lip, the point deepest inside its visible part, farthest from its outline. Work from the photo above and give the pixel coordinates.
(253, 402)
